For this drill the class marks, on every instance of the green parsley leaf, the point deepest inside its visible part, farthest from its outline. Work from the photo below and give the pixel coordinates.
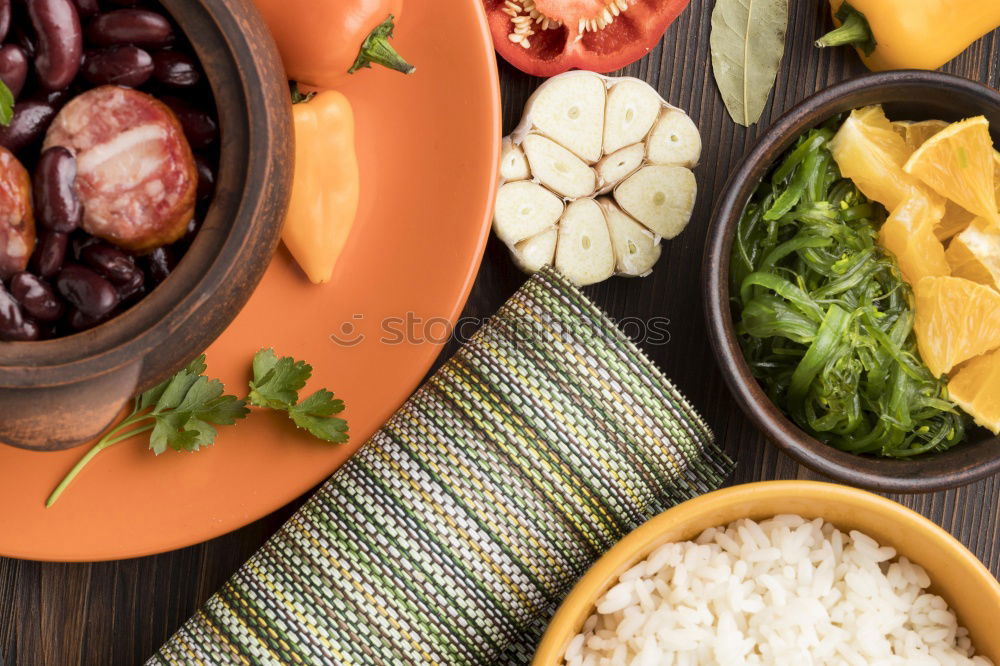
(153, 395)
(6, 105)
(276, 381)
(314, 414)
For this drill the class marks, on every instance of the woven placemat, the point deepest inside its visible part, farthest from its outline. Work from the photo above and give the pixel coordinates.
(452, 534)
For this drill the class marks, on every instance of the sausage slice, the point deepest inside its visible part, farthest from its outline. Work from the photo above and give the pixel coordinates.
(17, 221)
(136, 175)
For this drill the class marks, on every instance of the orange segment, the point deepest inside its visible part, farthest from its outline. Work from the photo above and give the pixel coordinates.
(974, 254)
(872, 154)
(976, 389)
(955, 219)
(955, 320)
(957, 163)
(915, 133)
(909, 235)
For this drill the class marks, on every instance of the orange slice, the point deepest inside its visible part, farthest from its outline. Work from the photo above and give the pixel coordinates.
(958, 164)
(872, 154)
(955, 320)
(915, 133)
(909, 235)
(955, 219)
(976, 389)
(974, 254)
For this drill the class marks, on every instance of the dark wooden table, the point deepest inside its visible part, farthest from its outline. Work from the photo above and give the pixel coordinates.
(120, 612)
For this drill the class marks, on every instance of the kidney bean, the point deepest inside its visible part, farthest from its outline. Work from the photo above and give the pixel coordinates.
(4, 18)
(159, 264)
(23, 38)
(176, 69)
(87, 7)
(133, 288)
(60, 41)
(89, 292)
(36, 297)
(80, 321)
(50, 253)
(57, 205)
(80, 241)
(199, 126)
(31, 118)
(206, 177)
(14, 326)
(119, 65)
(13, 67)
(139, 27)
(110, 262)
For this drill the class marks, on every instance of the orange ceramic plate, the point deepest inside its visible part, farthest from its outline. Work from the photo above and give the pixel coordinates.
(429, 149)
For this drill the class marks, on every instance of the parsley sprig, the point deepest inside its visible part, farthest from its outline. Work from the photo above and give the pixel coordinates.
(276, 385)
(182, 412)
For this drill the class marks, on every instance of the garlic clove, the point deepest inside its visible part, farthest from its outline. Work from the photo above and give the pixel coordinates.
(557, 168)
(674, 141)
(631, 111)
(636, 248)
(584, 253)
(614, 167)
(513, 163)
(524, 209)
(569, 110)
(531, 254)
(659, 197)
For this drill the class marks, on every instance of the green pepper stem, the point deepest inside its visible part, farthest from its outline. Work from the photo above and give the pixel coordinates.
(376, 49)
(114, 436)
(854, 30)
(299, 97)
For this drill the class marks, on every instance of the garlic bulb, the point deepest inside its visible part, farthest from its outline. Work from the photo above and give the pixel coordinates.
(595, 175)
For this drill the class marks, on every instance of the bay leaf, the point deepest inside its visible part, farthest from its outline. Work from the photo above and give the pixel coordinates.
(747, 40)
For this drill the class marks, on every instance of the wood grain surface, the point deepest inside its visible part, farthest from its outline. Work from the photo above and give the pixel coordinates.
(120, 612)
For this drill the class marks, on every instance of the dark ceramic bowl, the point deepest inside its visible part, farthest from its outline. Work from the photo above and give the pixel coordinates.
(906, 95)
(58, 393)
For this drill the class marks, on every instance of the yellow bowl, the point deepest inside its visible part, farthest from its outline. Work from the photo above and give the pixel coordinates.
(968, 587)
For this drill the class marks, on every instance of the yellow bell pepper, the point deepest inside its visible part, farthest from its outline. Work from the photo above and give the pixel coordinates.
(910, 34)
(325, 187)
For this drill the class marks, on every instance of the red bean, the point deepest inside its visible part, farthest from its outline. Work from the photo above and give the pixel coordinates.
(87, 7)
(14, 326)
(91, 294)
(31, 118)
(176, 69)
(120, 65)
(110, 262)
(4, 18)
(36, 296)
(132, 289)
(22, 37)
(139, 27)
(13, 67)
(206, 177)
(80, 321)
(57, 205)
(50, 253)
(159, 264)
(79, 241)
(199, 126)
(60, 41)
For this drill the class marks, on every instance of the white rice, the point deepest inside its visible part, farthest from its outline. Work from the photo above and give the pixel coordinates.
(783, 591)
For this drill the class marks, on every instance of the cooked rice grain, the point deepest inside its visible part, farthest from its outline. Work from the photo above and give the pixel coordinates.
(782, 591)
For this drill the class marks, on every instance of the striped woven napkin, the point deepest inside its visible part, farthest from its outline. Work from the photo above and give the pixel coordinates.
(450, 537)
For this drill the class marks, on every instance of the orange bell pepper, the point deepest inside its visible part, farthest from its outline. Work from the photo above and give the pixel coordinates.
(322, 41)
(325, 187)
